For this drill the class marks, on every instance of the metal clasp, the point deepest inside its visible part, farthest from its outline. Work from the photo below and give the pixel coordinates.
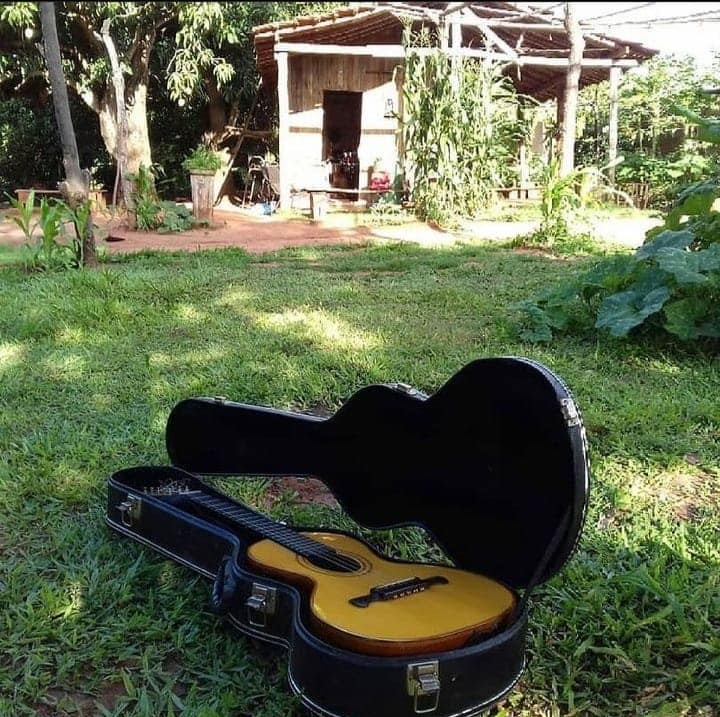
(423, 685)
(261, 604)
(569, 412)
(130, 510)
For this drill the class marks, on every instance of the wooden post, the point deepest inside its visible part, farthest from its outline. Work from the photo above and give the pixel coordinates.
(456, 40)
(572, 87)
(202, 185)
(615, 73)
(557, 150)
(285, 159)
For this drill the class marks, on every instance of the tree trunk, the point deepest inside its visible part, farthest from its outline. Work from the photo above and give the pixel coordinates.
(75, 188)
(138, 136)
(216, 115)
(118, 82)
(572, 86)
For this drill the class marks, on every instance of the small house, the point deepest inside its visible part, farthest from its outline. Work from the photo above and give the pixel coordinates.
(338, 77)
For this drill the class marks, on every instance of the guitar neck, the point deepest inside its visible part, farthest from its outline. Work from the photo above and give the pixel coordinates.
(247, 519)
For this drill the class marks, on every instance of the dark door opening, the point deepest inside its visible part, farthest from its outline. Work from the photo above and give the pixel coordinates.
(342, 115)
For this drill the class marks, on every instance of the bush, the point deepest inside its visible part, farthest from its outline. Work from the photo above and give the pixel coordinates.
(30, 151)
(29, 147)
(204, 159)
(152, 214)
(671, 283)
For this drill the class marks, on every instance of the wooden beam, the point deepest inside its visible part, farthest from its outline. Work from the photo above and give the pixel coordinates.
(399, 52)
(572, 88)
(454, 7)
(497, 40)
(284, 128)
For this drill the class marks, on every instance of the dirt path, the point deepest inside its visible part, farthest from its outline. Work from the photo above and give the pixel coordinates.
(260, 234)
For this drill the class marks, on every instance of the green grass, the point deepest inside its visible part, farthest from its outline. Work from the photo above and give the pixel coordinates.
(529, 211)
(92, 362)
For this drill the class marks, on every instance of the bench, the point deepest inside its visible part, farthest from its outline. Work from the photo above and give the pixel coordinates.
(319, 196)
(524, 192)
(98, 197)
(23, 194)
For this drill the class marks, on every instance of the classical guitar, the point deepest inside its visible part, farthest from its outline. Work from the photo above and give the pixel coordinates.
(359, 600)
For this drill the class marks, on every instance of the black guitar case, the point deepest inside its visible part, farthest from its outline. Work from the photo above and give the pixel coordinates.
(494, 465)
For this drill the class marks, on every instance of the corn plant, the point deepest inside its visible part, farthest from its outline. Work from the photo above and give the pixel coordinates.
(52, 247)
(457, 132)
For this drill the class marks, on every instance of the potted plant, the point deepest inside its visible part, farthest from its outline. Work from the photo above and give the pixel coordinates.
(202, 164)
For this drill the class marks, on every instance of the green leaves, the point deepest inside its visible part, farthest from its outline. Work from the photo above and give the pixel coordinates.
(690, 267)
(688, 319)
(664, 240)
(622, 312)
(708, 129)
(457, 131)
(669, 279)
(696, 200)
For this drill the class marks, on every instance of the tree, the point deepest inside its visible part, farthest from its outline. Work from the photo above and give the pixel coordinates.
(75, 187)
(202, 48)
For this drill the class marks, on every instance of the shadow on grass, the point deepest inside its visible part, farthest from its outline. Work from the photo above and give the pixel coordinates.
(92, 362)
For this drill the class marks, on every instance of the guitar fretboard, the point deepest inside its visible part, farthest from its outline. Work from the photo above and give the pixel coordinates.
(267, 528)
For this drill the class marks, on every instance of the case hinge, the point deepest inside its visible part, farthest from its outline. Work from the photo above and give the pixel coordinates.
(407, 389)
(130, 510)
(569, 412)
(423, 685)
(261, 604)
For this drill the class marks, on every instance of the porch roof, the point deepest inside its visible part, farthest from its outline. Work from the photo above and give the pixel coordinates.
(524, 37)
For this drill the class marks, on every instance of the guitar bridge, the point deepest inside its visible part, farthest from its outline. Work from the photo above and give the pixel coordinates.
(393, 591)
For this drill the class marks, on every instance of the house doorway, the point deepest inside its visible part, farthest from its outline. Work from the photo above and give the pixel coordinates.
(342, 115)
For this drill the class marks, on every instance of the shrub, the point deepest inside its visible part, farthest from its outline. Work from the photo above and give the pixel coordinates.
(671, 283)
(203, 158)
(151, 214)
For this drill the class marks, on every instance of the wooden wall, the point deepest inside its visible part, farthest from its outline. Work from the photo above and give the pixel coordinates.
(309, 77)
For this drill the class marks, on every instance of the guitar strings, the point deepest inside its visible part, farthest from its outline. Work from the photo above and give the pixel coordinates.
(301, 544)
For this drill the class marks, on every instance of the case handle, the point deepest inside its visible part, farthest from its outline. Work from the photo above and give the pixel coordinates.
(224, 588)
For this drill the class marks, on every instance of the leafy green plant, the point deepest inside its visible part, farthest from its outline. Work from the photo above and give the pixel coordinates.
(152, 214)
(563, 205)
(672, 282)
(174, 218)
(145, 204)
(52, 247)
(204, 159)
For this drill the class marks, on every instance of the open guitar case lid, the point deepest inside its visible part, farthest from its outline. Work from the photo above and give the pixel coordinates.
(494, 465)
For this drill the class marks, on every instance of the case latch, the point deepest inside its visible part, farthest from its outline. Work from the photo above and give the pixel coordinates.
(423, 685)
(569, 412)
(130, 510)
(261, 604)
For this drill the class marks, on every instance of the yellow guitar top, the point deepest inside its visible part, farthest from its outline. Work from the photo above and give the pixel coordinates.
(388, 608)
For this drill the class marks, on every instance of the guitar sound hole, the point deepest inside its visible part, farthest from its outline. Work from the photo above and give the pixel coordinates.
(337, 562)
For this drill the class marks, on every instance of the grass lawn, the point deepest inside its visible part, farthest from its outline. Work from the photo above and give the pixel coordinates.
(92, 362)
